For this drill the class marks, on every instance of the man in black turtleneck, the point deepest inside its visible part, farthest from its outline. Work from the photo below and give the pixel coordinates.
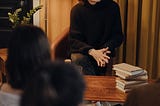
(95, 32)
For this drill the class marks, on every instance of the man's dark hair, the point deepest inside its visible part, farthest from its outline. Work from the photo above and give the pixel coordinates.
(57, 84)
(28, 48)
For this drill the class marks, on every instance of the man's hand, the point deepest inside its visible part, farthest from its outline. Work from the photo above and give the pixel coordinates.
(100, 56)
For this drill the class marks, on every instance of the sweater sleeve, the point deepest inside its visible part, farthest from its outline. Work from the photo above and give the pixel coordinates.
(76, 32)
(116, 33)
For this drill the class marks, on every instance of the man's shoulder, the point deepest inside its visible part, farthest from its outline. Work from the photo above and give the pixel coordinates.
(114, 4)
(78, 6)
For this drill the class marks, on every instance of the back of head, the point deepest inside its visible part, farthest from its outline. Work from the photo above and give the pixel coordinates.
(57, 84)
(28, 48)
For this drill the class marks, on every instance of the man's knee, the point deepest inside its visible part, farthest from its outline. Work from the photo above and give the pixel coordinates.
(78, 58)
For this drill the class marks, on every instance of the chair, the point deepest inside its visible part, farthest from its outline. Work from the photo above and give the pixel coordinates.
(60, 48)
(3, 57)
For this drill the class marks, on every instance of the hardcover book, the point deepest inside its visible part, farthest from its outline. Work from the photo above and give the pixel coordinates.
(131, 86)
(128, 83)
(141, 76)
(123, 90)
(127, 68)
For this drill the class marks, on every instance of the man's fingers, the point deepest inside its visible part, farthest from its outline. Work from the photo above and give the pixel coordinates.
(108, 52)
(105, 57)
(104, 50)
(98, 62)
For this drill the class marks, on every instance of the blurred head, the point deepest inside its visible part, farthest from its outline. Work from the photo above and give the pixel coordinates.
(28, 48)
(57, 84)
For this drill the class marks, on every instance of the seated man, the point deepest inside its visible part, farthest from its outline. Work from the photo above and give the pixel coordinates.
(57, 84)
(95, 32)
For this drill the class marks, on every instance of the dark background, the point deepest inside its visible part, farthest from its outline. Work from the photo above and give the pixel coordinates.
(6, 26)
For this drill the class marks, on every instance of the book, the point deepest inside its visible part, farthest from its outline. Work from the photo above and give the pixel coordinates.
(128, 83)
(131, 86)
(127, 68)
(123, 90)
(141, 76)
(128, 88)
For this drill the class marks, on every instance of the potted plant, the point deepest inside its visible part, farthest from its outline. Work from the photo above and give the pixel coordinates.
(15, 19)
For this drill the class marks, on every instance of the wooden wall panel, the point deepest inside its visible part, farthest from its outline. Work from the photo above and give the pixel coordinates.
(58, 16)
(43, 14)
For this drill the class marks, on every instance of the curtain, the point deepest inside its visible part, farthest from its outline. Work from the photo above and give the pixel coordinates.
(141, 27)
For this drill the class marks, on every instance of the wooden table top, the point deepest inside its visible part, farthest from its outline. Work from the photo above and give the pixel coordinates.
(102, 88)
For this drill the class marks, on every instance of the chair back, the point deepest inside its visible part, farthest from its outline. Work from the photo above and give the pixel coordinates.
(60, 47)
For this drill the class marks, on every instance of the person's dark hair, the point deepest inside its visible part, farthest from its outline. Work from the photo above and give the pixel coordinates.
(28, 48)
(57, 84)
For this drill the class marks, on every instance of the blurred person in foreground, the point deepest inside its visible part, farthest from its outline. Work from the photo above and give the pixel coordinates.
(57, 84)
(147, 95)
(28, 48)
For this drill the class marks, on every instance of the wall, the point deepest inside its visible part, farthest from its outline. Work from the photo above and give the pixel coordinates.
(58, 16)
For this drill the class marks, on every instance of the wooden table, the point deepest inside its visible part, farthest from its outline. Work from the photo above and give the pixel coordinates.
(102, 88)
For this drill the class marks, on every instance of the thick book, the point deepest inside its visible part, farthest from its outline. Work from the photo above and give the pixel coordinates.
(141, 76)
(127, 68)
(127, 83)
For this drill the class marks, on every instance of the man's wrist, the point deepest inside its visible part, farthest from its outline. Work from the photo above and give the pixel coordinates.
(90, 51)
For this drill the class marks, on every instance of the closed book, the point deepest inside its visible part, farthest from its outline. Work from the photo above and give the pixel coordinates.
(131, 86)
(127, 83)
(127, 68)
(141, 76)
(123, 90)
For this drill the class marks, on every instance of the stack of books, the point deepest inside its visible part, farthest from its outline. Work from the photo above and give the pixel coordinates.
(129, 76)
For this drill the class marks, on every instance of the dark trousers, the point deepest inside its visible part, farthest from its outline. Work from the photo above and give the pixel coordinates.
(90, 66)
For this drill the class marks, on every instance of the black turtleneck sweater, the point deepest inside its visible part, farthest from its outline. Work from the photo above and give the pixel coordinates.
(95, 26)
